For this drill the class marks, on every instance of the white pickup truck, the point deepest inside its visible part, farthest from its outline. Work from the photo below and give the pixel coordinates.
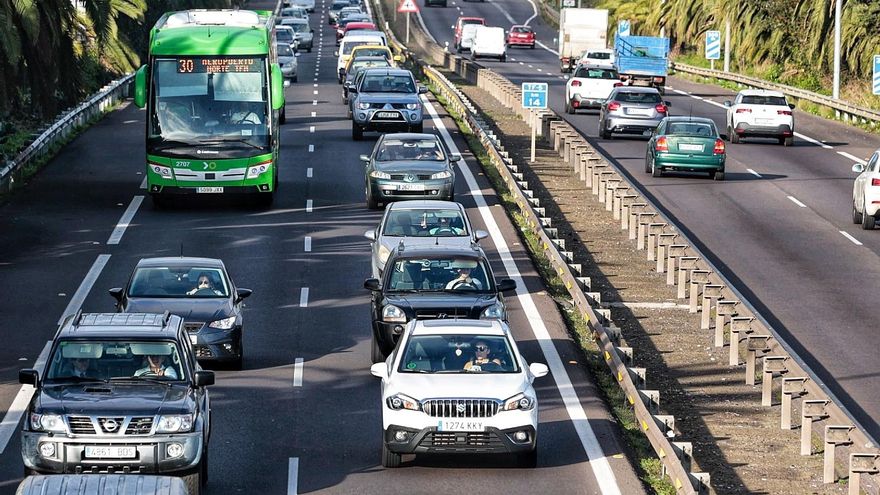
(590, 86)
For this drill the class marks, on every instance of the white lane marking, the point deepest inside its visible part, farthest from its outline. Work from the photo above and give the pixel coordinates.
(542, 45)
(316, 79)
(512, 59)
(292, 475)
(795, 201)
(845, 234)
(852, 157)
(125, 221)
(521, 63)
(304, 297)
(309, 172)
(539, 70)
(315, 91)
(508, 16)
(814, 141)
(315, 103)
(316, 85)
(307, 244)
(308, 206)
(534, 13)
(530, 66)
(298, 372)
(756, 174)
(144, 183)
(597, 459)
(311, 128)
(85, 286)
(19, 405)
(311, 148)
(314, 114)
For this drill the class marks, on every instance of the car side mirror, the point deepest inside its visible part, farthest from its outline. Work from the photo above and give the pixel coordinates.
(353, 89)
(455, 157)
(858, 168)
(336, 53)
(312, 31)
(728, 104)
(370, 234)
(29, 377)
(480, 235)
(791, 106)
(372, 284)
(379, 370)
(204, 378)
(422, 90)
(242, 294)
(116, 292)
(365, 158)
(506, 285)
(539, 369)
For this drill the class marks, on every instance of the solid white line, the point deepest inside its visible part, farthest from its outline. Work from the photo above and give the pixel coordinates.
(85, 286)
(756, 174)
(311, 148)
(309, 172)
(304, 297)
(851, 238)
(814, 141)
(795, 201)
(125, 221)
(508, 16)
(308, 206)
(307, 244)
(19, 405)
(597, 459)
(534, 13)
(542, 45)
(680, 91)
(852, 157)
(292, 475)
(311, 128)
(144, 183)
(298, 372)
(530, 66)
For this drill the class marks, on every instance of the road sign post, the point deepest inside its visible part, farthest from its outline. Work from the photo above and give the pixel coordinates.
(534, 96)
(713, 47)
(876, 78)
(408, 7)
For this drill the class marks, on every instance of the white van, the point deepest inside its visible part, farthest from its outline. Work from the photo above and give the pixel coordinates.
(347, 45)
(468, 31)
(489, 42)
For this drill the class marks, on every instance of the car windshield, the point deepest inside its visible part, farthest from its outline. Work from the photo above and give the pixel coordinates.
(349, 45)
(339, 5)
(764, 100)
(439, 274)
(360, 63)
(471, 21)
(521, 29)
(388, 84)
(410, 149)
(178, 281)
(100, 360)
(596, 73)
(425, 223)
(458, 353)
(291, 12)
(284, 35)
(371, 52)
(598, 55)
(300, 27)
(283, 50)
(631, 97)
(691, 129)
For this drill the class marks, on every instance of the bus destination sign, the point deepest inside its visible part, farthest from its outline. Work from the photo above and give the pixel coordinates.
(217, 65)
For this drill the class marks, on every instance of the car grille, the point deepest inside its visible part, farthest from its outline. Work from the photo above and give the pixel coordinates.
(419, 176)
(430, 314)
(469, 439)
(193, 327)
(81, 425)
(460, 408)
(111, 424)
(140, 426)
(396, 106)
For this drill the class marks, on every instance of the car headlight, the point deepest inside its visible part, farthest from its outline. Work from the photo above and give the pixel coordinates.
(442, 175)
(384, 253)
(379, 175)
(258, 170)
(224, 324)
(520, 402)
(393, 314)
(47, 422)
(493, 312)
(161, 171)
(412, 106)
(400, 401)
(175, 423)
(363, 106)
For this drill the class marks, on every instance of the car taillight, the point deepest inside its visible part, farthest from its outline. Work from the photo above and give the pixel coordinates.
(783, 112)
(575, 83)
(743, 110)
(875, 182)
(658, 79)
(617, 85)
(661, 144)
(719, 147)
(613, 106)
(661, 108)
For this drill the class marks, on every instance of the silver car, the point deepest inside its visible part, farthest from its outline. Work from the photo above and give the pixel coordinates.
(631, 110)
(302, 33)
(287, 61)
(420, 223)
(386, 100)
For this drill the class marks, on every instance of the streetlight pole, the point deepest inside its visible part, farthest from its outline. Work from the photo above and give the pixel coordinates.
(836, 91)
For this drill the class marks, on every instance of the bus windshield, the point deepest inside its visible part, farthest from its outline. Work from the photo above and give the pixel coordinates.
(209, 102)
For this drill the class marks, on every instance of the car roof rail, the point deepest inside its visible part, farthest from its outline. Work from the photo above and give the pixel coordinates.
(166, 316)
(77, 316)
(400, 247)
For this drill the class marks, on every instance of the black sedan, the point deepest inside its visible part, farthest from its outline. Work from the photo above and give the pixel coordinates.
(197, 289)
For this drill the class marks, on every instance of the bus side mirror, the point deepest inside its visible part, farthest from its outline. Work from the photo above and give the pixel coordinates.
(277, 87)
(140, 87)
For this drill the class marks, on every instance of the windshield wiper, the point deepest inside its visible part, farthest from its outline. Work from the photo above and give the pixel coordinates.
(77, 379)
(235, 140)
(165, 144)
(141, 379)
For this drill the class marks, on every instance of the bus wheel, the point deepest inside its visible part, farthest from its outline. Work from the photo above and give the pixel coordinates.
(159, 203)
(265, 200)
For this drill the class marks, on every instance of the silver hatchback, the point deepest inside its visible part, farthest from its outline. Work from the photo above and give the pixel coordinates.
(631, 110)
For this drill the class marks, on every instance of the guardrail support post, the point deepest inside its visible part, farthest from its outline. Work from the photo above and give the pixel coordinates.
(772, 366)
(811, 410)
(651, 399)
(685, 265)
(723, 309)
(754, 344)
(738, 324)
(642, 228)
(633, 223)
(675, 251)
(663, 243)
(594, 181)
(654, 231)
(834, 435)
(711, 292)
(610, 193)
(699, 278)
(791, 388)
(858, 464)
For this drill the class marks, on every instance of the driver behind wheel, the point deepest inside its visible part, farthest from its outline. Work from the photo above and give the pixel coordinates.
(244, 112)
(204, 286)
(463, 280)
(481, 356)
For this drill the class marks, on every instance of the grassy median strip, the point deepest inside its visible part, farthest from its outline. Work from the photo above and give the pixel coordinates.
(650, 467)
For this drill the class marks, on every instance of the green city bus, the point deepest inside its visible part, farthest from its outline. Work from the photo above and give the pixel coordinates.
(214, 96)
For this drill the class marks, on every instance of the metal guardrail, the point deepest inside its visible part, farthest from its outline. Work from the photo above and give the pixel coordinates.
(736, 324)
(65, 124)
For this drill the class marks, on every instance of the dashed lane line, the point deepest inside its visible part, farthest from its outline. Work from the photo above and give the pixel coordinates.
(309, 172)
(292, 475)
(311, 148)
(795, 201)
(304, 297)
(298, 372)
(756, 174)
(307, 244)
(851, 238)
(125, 221)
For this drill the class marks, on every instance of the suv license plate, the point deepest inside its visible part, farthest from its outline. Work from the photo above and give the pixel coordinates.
(387, 115)
(110, 452)
(460, 425)
(410, 187)
(209, 190)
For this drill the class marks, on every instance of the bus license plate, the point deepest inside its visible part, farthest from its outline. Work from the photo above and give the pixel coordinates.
(209, 190)
(459, 425)
(110, 452)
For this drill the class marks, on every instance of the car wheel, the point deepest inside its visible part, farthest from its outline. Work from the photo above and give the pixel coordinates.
(648, 163)
(309, 49)
(856, 216)
(603, 132)
(568, 108)
(389, 459)
(349, 112)
(789, 141)
(376, 354)
(193, 482)
(528, 459)
(734, 137)
(357, 132)
(503, 58)
(868, 221)
(718, 175)
(655, 170)
(533, 46)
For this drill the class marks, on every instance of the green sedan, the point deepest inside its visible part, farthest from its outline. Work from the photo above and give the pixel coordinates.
(689, 144)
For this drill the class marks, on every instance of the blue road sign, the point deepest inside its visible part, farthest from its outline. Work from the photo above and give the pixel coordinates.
(877, 74)
(534, 95)
(623, 26)
(713, 45)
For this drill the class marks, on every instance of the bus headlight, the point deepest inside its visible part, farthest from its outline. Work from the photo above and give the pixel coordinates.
(258, 170)
(161, 171)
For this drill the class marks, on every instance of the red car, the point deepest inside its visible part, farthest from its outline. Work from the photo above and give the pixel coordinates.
(521, 35)
(345, 26)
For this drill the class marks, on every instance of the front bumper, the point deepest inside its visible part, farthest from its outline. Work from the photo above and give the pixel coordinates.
(288, 71)
(370, 120)
(626, 125)
(213, 344)
(746, 129)
(151, 453)
(192, 190)
(386, 189)
(491, 441)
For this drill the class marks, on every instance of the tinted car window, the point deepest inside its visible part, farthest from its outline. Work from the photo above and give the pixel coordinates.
(349, 45)
(597, 73)
(521, 29)
(691, 129)
(388, 84)
(763, 100)
(107, 359)
(424, 223)
(360, 63)
(599, 55)
(284, 50)
(449, 354)
(436, 274)
(284, 36)
(410, 149)
(626, 97)
(178, 282)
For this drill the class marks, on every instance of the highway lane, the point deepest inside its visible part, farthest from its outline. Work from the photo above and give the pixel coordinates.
(306, 398)
(779, 227)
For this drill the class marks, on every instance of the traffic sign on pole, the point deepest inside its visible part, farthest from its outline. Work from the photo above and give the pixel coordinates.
(534, 95)
(623, 27)
(713, 45)
(877, 74)
(407, 6)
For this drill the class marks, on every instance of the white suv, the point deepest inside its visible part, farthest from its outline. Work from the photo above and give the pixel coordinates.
(760, 113)
(590, 86)
(458, 386)
(866, 192)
